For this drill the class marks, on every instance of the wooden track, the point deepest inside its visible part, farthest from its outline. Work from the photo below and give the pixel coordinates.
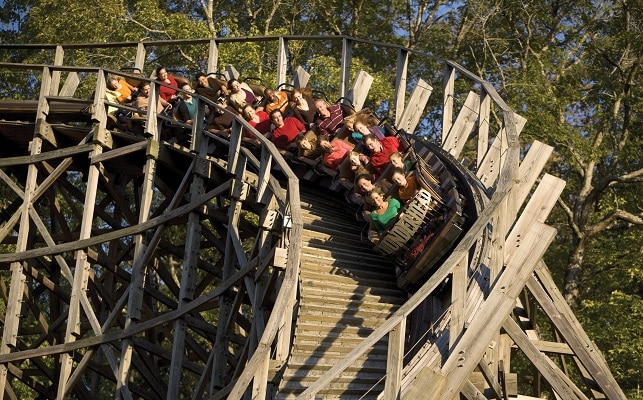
(347, 290)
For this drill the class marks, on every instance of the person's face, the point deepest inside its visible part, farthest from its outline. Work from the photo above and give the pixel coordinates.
(188, 89)
(249, 112)
(203, 81)
(354, 159)
(376, 199)
(325, 144)
(163, 74)
(322, 109)
(277, 119)
(365, 185)
(299, 99)
(399, 179)
(305, 144)
(373, 145)
(235, 86)
(145, 91)
(361, 128)
(270, 95)
(397, 162)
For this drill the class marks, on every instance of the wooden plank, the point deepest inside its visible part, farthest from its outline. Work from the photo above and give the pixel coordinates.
(550, 371)
(44, 157)
(483, 127)
(300, 78)
(415, 106)
(121, 151)
(491, 165)
(81, 271)
(361, 87)
(282, 60)
(345, 70)
(18, 279)
(70, 85)
(464, 123)
(458, 301)
(400, 83)
(395, 360)
(213, 56)
(551, 300)
(541, 203)
(448, 86)
(231, 72)
(55, 76)
(529, 170)
(491, 379)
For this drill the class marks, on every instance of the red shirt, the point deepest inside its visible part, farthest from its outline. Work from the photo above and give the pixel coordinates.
(263, 126)
(390, 145)
(341, 149)
(165, 92)
(287, 134)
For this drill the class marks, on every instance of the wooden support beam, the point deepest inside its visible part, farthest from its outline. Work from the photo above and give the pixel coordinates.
(551, 300)
(558, 380)
(81, 271)
(483, 127)
(463, 125)
(400, 83)
(18, 279)
(345, 71)
(471, 347)
(213, 56)
(395, 360)
(282, 60)
(300, 77)
(448, 86)
(360, 89)
(415, 107)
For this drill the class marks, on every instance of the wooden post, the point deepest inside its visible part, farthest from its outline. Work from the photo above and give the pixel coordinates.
(448, 85)
(483, 127)
(17, 288)
(282, 60)
(213, 56)
(395, 360)
(413, 112)
(360, 89)
(55, 76)
(345, 72)
(400, 83)
(139, 63)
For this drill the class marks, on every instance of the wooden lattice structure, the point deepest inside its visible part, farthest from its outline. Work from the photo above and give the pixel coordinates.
(137, 268)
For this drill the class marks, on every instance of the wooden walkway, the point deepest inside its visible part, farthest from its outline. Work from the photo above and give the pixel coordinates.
(347, 290)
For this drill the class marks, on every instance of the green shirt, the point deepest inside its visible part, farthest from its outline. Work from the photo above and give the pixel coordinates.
(381, 220)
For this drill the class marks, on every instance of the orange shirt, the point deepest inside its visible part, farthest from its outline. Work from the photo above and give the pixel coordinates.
(407, 192)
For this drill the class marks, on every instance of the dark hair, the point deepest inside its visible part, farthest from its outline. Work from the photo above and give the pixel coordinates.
(142, 84)
(398, 170)
(370, 136)
(273, 112)
(110, 83)
(376, 190)
(200, 74)
(232, 80)
(368, 177)
(158, 69)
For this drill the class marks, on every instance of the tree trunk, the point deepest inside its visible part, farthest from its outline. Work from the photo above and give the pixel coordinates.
(574, 274)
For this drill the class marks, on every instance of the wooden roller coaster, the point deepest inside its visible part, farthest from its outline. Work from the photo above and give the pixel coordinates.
(140, 268)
